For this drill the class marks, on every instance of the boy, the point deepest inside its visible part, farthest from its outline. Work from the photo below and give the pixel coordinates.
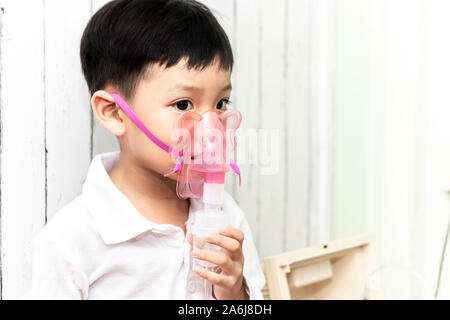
(126, 236)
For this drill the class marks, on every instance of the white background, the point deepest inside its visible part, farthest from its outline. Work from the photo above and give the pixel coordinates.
(357, 89)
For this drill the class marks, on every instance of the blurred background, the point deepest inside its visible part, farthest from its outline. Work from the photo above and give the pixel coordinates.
(354, 95)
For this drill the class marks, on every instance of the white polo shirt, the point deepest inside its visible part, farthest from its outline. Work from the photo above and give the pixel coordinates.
(100, 247)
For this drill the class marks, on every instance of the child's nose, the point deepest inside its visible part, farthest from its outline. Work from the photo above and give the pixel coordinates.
(207, 108)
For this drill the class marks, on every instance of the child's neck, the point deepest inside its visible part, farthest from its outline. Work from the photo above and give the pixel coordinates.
(153, 195)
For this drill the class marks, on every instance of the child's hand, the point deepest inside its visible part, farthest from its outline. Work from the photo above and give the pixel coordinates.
(228, 281)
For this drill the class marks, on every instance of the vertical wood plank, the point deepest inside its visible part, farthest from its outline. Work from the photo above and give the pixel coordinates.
(321, 117)
(246, 93)
(22, 141)
(271, 142)
(297, 118)
(68, 119)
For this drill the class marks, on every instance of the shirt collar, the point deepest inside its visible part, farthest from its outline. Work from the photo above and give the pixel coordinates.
(115, 216)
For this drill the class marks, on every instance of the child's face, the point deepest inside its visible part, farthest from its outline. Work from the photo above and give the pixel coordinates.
(161, 98)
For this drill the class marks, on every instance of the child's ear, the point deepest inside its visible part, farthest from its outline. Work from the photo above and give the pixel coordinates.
(107, 112)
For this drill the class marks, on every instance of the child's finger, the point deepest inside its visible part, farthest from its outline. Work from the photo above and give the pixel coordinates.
(232, 245)
(213, 277)
(232, 233)
(218, 258)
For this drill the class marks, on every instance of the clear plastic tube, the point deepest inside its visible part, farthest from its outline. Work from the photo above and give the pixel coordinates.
(210, 219)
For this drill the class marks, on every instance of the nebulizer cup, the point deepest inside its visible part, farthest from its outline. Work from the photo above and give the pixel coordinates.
(207, 221)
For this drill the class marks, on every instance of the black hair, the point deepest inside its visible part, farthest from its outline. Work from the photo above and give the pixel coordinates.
(125, 37)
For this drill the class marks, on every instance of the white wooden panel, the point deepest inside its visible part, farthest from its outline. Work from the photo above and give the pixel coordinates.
(247, 100)
(298, 125)
(22, 140)
(68, 119)
(272, 121)
(322, 83)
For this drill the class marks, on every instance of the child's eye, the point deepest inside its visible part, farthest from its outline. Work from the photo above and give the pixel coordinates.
(222, 105)
(183, 105)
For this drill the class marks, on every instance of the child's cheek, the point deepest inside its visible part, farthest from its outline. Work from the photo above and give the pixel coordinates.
(163, 124)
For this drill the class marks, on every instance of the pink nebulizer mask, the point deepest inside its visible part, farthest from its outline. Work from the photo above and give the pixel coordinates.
(202, 152)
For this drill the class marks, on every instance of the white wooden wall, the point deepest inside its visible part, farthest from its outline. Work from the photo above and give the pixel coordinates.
(282, 85)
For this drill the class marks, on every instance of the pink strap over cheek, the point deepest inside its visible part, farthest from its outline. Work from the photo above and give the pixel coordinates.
(130, 113)
(122, 104)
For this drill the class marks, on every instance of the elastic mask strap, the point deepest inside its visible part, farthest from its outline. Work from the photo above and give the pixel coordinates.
(130, 113)
(138, 122)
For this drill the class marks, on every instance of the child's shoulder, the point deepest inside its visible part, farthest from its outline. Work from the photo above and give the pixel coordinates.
(70, 226)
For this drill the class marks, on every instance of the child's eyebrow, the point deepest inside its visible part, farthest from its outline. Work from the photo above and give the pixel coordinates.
(188, 87)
